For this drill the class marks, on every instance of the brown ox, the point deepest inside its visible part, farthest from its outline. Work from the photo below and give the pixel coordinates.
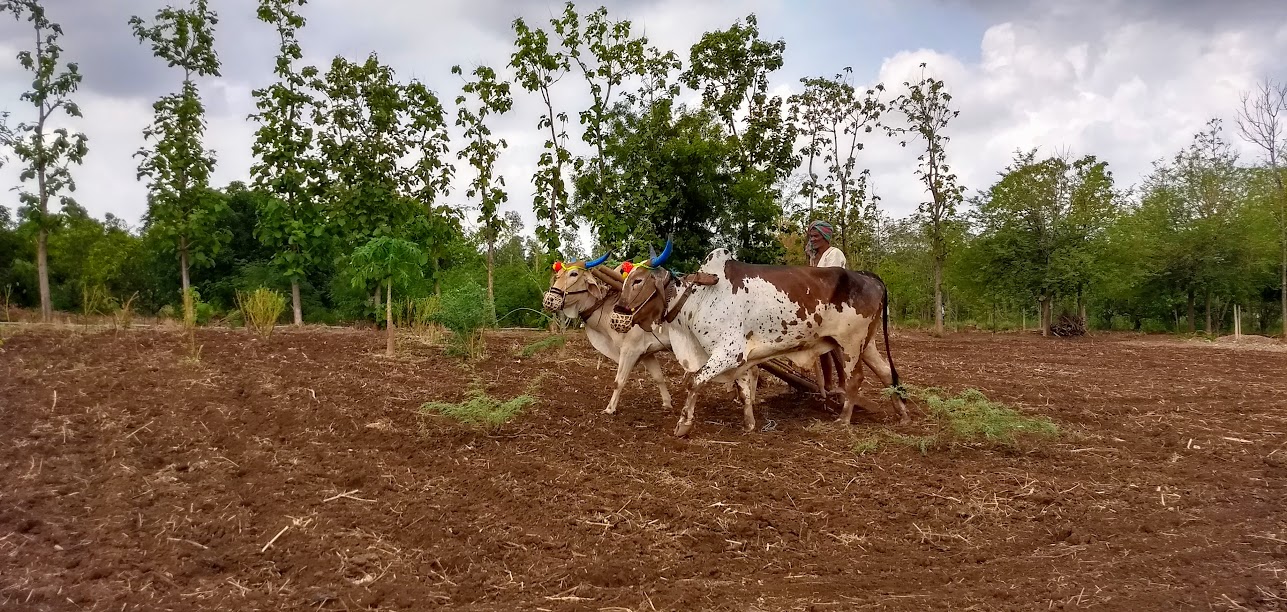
(577, 293)
(731, 315)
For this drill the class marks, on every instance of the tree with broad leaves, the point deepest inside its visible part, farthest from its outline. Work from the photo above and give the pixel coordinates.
(290, 222)
(606, 53)
(46, 159)
(538, 68)
(925, 105)
(181, 205)
(489, 96)
(388, 261)
(382, 148)
(731, 68)
(1262, 122)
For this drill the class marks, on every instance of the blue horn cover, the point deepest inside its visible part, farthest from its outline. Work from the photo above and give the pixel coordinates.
(665, 254)
(591, 264)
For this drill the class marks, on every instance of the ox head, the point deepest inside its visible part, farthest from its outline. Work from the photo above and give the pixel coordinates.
(644, 293)
(573, 288)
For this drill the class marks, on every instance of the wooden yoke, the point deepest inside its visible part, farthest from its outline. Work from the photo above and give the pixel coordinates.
(609, 276)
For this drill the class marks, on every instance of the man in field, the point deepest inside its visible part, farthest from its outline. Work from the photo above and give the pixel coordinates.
(823, 255)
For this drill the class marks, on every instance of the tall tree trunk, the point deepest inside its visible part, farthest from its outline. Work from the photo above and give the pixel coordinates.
(1081, 306)
(42, 270)
(1193, 312)
(295, 304)
(938, 296)
(1043, 303)
(1208, 327)
(491, 267)
(1283, 284)
(184, 283)
(388, 316)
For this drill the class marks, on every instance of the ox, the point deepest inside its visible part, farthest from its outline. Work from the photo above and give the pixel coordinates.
(577, 293)
(731, 316)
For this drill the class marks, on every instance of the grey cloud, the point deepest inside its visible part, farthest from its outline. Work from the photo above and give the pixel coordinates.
(1195, 14)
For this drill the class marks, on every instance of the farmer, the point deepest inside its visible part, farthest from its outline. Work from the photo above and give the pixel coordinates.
(823, 255)
(818, 247)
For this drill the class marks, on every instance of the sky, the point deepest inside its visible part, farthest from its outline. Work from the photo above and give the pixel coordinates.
(1129, 81)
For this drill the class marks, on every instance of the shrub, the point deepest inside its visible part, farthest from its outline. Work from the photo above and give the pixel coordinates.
(464, 312)
(261, 309)
(541, 345)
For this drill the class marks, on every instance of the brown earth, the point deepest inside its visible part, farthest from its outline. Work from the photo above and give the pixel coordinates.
(299, 474)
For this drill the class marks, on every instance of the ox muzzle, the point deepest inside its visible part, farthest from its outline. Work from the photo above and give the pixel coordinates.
(553, 300)
(621, 320)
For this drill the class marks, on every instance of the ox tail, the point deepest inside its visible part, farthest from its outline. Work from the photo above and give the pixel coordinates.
(884, 319)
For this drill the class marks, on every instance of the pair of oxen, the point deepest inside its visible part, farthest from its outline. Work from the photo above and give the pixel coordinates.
(724, 320)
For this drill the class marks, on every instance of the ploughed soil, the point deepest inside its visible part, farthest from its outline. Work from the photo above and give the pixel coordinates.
(299, 473)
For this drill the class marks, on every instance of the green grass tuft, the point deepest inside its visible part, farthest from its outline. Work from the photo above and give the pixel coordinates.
(481, 410)
(542, 345)
(969, 419)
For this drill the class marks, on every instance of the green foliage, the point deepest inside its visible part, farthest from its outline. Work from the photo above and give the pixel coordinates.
(368, 188)
(46, 159)
(181, 206)
(538, 68)
(731, 68)
(291, 222)
(481, 410)
(260, 309)
(387, 260)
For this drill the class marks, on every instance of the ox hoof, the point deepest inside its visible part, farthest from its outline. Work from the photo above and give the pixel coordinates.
(609, 410)
(682, 429)
(842, 422)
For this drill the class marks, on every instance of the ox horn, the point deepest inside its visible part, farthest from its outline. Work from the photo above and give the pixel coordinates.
(591, 264)
(665, 254)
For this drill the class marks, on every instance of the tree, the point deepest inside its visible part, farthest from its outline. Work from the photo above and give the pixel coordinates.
(382, 146)
(180, 203)
(46, 160)
(491, 96)
(1040, 226)
(606, 53)
(388, 261)
(671, 171)
(731, 68)
(925, 106)
(1262, 121)
(835, 117)
(290, 223)
(538, 68)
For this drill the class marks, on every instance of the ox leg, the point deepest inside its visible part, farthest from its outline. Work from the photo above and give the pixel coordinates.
(685, 424)
(654, 369)
(721, 361)
(748, 383)
(874, 360)
(852, 360)
(625, 363)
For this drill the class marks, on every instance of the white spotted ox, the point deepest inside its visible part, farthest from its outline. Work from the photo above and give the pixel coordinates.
(732, 315)
(576, 292)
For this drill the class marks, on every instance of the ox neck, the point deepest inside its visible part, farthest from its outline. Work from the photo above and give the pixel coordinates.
(597, 305)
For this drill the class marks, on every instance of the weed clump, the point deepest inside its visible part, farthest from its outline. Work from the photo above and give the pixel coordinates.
(968, 419)
(481, 410)
(261, 309)
(543, 344)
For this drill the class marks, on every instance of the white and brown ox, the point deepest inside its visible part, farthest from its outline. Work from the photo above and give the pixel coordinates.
(732, 315)
(577, 293)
